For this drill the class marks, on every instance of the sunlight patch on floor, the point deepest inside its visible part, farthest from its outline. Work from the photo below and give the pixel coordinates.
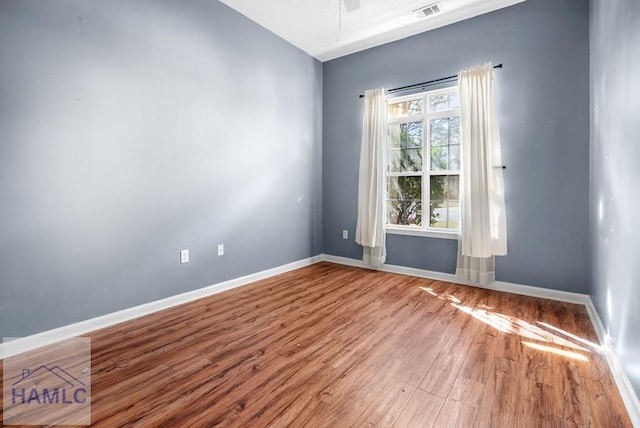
(542, 332)
(556, 351)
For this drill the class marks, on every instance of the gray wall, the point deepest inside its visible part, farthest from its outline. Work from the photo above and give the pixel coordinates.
(543, 98)
(615, 175)
(132, 129)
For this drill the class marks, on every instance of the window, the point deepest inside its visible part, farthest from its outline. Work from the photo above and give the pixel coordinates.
(423, 164)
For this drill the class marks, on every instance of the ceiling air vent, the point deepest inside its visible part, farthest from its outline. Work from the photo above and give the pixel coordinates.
(426, 11)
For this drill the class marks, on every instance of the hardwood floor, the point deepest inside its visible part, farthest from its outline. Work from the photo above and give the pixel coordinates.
(335, 346)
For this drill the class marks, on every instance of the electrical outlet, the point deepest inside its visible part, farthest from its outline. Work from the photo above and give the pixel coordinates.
(184, 256)
(220, 249)
(345, 234)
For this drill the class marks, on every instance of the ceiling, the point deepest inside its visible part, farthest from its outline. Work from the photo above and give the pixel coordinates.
(326, 30)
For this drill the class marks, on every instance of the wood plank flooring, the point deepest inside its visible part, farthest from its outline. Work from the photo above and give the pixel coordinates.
(335, 346)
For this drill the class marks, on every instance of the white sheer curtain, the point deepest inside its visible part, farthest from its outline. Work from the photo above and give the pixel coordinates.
(483, 228)
(370, 230)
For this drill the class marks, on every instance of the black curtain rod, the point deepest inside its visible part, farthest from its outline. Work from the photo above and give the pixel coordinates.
(427, 83)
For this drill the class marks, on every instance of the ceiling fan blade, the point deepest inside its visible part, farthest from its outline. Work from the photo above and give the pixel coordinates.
(351, 5)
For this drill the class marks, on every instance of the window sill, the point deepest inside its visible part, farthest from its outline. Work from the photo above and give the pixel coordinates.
(424, 233)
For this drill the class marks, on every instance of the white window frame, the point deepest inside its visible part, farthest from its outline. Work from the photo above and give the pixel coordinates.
(426, 172)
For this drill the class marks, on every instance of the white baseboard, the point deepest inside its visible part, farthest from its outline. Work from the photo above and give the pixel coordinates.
(28, 343)
(627, 392)
(525, 290)
(629, 396)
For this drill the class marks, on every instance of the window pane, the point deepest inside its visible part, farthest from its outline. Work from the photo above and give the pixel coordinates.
(444, 102)
(406, 135)
(439, 158)
(394, 136)
(412, 160)
(404, 160)
(406, 108)
(405, 200)
(439, 132)
(444, 206)
(454, 130)
(393, 161)
(453, 188)
(454, 157)
(439, 102)
(445, 140)
(414, 134)
(454, 100)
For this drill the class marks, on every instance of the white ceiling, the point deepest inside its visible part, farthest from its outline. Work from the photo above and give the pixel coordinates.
(325, 30)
